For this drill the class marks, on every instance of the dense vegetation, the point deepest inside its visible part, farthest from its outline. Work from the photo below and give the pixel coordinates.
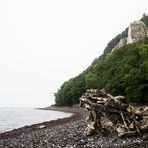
(144, 19)
(70, 91)
(115, 41)
(122, 72)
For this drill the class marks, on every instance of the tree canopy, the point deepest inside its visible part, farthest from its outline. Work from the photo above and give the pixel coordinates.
(122, 72)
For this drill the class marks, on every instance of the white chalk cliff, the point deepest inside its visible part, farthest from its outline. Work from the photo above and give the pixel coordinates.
(136, 31)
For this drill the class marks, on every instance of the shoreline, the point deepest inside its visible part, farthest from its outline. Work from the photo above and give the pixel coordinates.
(76, 115)
(65, 132)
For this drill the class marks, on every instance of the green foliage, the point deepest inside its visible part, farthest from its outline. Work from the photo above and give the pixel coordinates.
(122, 72)
(126, 71)
(70, 91)
(115, 41)
(144, 19)
(124, 34)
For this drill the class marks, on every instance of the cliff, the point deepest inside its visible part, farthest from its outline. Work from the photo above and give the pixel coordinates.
(137, 30)
(121, 70)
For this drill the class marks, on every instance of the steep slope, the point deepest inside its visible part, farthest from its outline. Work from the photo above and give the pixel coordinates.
(121, 70)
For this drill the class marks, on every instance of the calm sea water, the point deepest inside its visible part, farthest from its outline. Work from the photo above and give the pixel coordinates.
(11, 118)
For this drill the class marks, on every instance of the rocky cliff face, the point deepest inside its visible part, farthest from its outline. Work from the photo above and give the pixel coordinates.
(137, 30)
(121, 43)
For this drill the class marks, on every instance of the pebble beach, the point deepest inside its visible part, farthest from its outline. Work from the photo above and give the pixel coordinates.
(65, 133)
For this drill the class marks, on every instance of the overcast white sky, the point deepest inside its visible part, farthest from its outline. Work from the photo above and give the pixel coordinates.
(46, 42)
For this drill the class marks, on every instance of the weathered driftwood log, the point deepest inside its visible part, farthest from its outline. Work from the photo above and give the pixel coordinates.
(113, 114)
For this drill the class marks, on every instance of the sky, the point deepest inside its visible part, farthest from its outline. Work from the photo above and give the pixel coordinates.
(44, 43)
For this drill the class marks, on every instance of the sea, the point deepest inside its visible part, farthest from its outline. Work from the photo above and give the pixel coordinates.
(13, 118)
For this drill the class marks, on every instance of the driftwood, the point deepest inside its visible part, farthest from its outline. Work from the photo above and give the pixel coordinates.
(113, 114)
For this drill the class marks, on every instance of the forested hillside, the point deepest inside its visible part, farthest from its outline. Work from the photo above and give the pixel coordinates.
(122, 72)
